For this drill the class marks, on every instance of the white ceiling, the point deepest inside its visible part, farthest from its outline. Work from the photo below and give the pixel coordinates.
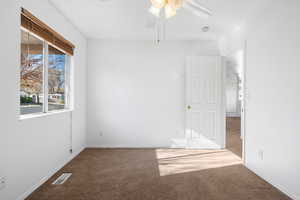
(130, 19)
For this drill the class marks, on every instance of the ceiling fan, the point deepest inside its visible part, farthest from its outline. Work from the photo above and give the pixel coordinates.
(170, 8)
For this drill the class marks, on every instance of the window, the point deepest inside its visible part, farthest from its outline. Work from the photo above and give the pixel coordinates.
(56, 79)
(33, 72)
(45, 67)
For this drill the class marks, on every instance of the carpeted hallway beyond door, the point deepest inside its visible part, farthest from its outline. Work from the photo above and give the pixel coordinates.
(233, 135)
(157, 174)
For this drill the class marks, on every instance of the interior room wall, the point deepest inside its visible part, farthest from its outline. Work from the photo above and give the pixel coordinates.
(272, 97)
(32, 149)
(136, 91)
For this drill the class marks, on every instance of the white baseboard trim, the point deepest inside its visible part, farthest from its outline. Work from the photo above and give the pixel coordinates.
(145, 147)
(49, 175)
(278, 186)
(125, 147)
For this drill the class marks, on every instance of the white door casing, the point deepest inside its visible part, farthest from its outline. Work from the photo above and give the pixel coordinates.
(205, 106)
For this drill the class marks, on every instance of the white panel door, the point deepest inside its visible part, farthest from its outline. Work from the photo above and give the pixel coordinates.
(205, 110)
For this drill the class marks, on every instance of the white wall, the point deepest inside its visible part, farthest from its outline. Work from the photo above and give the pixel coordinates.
(33, 149)
(136, 91)
(272, 103)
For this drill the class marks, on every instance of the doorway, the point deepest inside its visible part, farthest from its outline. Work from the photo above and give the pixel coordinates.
(235, 79)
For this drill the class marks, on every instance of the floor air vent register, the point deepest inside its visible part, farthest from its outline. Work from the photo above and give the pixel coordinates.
(62, 179)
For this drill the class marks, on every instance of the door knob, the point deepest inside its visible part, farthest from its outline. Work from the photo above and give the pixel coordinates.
(189, 107)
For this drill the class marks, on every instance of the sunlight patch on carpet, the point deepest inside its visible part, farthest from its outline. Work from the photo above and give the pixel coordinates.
(176, 161)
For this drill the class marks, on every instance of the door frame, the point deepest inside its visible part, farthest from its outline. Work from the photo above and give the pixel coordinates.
(243, 101)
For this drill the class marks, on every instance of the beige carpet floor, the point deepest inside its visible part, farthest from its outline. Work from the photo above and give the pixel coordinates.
(158, 174)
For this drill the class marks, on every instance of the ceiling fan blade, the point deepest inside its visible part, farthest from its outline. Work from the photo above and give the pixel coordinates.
(197, 8)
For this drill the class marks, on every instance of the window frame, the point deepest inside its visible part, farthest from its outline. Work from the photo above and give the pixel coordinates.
(67, 76)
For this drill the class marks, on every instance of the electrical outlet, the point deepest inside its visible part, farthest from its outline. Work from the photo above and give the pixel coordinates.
(261, 154)
(2, 183)
(100, 133)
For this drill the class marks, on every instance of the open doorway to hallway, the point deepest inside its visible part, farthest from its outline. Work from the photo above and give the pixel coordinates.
(235, 103)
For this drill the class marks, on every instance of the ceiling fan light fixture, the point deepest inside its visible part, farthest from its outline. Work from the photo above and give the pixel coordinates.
(175, 4)
(155, 11)
(158, 3)
(171, 7)
(169, 11)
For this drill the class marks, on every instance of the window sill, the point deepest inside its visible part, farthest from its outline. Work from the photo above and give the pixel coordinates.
(38, 115)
